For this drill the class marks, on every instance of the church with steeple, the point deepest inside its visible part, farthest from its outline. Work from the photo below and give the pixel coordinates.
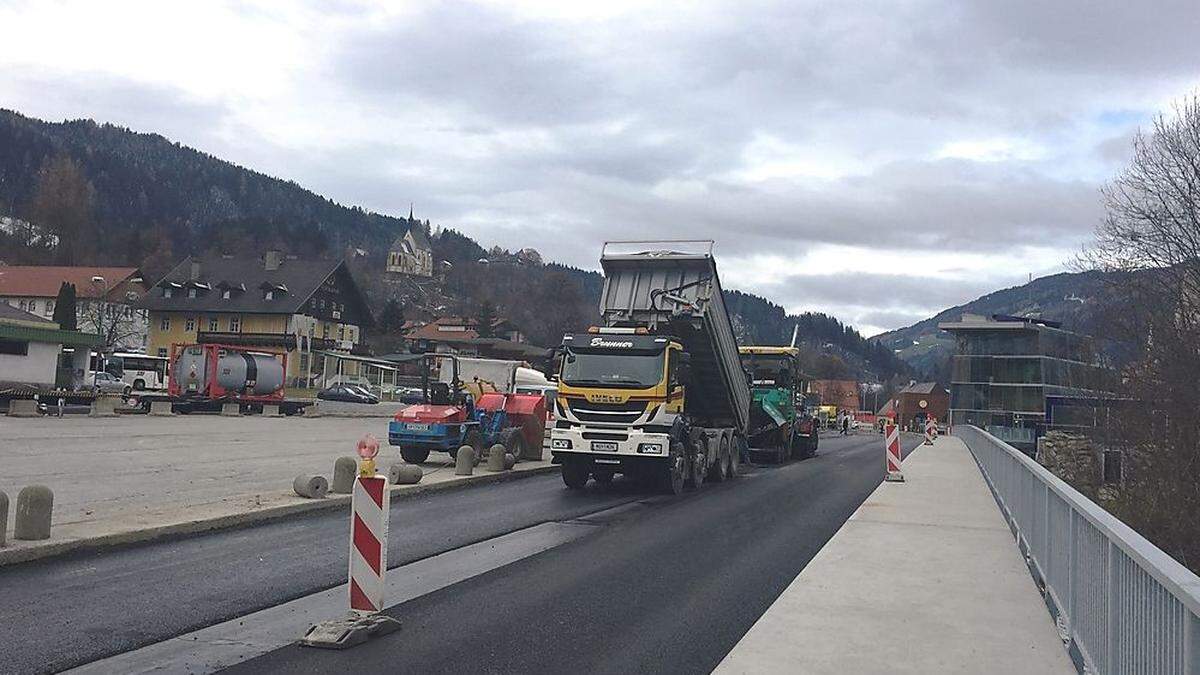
(411, 254)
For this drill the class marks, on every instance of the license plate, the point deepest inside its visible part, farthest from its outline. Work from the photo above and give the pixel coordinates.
(417, 427)
(604, 446)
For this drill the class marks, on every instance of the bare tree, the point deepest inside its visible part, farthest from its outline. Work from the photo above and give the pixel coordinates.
(1149, 242)
(62, 204)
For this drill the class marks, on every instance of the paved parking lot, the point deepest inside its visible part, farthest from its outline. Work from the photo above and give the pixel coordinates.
(117, 474)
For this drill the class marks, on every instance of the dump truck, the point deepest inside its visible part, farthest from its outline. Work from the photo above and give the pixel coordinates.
(658, 391)
(779, 420)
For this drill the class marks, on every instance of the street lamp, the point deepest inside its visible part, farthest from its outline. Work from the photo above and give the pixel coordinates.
(103, 283)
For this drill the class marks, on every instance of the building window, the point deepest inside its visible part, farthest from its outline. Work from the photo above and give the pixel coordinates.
(191, 292)
(225, 294)
(24, 306)
(49, 306)
(33, 306)
(213, 324)
(341, 332)
(162, 351)
(235, 324)
(325, 331)
(14, 347)
(190, 324)
(269, 295)
(167, 292)
(164, 324)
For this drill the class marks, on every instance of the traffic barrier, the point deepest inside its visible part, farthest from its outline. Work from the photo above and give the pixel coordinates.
(509, 461)
(311, 487)
(404, 474)
(3, 516)
(231, 409)
(496, 458)
(34, 506)
(270, 410)
(369, 507)
(344, 471)
(464, 461)
(892, 448)
(160, 408)
(103, 406)
(23, 407)
(930, 431)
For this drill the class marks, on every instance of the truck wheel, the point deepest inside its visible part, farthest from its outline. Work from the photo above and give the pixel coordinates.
(716, 472)
(734, 444)
(414, 455)
(575, 474)
(671, 476)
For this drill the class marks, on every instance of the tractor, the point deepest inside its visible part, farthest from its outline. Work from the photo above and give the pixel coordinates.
(453, 414)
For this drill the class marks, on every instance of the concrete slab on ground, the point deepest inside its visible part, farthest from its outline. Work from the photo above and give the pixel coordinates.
(924, 578)
(132, 478)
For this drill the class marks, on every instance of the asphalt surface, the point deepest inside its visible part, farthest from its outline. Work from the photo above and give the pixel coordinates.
(62, 612)
(671, 590)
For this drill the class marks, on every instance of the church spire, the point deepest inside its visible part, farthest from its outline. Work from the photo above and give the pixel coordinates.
(410, 211)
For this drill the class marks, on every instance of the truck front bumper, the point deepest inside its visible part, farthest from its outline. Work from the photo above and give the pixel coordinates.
(605, 446)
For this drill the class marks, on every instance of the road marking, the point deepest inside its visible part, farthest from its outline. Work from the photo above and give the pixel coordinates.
(225, 644)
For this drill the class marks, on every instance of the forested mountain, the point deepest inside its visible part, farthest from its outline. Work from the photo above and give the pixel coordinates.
(78, 192)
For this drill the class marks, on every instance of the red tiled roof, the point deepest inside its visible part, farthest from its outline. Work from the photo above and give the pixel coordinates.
(38, 281)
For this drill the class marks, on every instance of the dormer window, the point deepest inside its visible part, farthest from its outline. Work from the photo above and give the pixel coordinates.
(225, 294)
(191, 292)
(167, 292)
(269, 295)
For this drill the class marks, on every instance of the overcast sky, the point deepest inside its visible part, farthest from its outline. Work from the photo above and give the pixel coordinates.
(879, 161)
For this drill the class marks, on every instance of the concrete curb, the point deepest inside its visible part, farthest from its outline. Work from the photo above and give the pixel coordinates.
(11, 556)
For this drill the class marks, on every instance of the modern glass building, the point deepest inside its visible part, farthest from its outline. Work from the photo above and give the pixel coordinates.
(1006, 367)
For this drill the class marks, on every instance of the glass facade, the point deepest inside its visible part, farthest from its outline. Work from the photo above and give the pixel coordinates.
(1004, 370)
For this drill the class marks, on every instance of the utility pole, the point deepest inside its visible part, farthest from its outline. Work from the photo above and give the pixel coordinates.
(103, 283)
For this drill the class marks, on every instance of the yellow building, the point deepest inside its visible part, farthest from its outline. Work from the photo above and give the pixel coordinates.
(278, 303)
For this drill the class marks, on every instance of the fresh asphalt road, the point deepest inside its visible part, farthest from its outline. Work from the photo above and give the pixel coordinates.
(671, 590)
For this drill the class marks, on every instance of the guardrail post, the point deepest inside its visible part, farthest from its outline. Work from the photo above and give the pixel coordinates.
(1191, 644)
(1111, 607)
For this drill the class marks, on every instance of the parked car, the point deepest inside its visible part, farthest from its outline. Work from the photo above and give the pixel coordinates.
(347, 393)
(107, 383)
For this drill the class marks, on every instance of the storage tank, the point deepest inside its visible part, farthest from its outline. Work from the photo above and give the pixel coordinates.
(237, 372)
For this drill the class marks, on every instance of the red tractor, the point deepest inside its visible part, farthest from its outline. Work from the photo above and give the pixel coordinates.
(453, 414)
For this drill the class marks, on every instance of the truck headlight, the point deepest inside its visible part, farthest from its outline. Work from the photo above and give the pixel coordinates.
(650, 448)
(560, 443)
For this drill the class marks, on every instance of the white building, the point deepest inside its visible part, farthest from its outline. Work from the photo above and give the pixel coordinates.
(31, 347)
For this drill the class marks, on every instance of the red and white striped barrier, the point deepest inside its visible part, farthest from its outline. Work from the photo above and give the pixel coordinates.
(891, 435)
(368, 542)
(930, 431)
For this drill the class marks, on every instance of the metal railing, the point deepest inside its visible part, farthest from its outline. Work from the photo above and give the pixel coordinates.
(1122, 604)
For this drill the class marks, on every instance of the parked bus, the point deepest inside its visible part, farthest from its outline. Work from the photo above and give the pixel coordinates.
(141, 372)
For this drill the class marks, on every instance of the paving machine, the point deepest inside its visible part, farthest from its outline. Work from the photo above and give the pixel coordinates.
(779, 421)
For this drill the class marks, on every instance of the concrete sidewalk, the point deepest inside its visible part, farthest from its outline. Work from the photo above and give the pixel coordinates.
(923, 578)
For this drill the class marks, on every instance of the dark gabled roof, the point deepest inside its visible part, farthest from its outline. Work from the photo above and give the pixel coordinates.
(301, 277)
(418, 235)
(920, 388)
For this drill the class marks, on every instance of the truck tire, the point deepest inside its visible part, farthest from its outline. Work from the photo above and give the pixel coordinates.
(414, 455)
(671, 477)
(575, 474)
(716, 472)
(735, 443)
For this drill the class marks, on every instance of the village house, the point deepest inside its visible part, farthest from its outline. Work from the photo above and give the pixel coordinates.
(105, 299)
(309, 309)
(35, 352)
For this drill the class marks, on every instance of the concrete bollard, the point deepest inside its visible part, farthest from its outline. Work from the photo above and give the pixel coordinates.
(464, 461)
(23, 407)
(496, 458)
(3, 517)
(160, 408)
(270, 410)
(34, 505)
(103, 406)
(312, 487)
(509, 461)
(404, 474)
(344, 471)
(231, 409)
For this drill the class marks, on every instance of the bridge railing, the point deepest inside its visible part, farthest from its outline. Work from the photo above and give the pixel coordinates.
(1123, 605)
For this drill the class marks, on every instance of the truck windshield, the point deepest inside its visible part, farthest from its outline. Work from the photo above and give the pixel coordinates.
(769, 372)
(613, 369)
